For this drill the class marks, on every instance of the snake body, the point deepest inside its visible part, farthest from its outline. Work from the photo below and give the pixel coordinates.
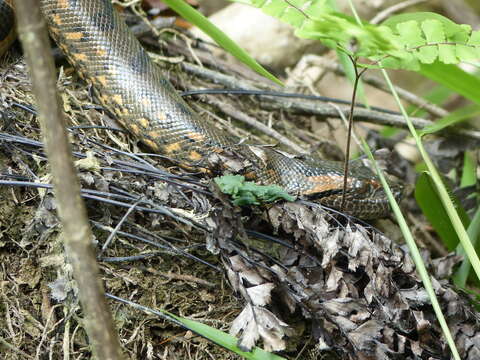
(100, 46)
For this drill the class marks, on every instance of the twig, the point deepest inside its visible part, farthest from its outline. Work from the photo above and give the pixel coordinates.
(234, 113)
(284, 95)
(382, 15)
(305, 106)
(77, 233)
(349, 131)
(117, 228)
(233, 82)
(14, 349)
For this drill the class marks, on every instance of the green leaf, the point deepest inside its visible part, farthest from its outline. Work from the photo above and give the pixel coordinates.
(248, 193)
(453, 118)
(454, 78)
(418, 17)
(433, 209)
(411, 31)
(469, 171)
(433, 31)
(402, 42)
(461, 275)
(196, 18)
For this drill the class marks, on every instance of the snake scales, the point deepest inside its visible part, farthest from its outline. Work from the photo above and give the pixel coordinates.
(105, 53)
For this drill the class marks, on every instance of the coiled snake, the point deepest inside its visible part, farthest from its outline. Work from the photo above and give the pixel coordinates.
(105, 53)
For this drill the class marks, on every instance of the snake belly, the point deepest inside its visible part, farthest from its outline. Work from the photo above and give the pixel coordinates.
(104, 52)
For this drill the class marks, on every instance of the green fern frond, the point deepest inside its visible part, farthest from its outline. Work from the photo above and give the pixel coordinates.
(404, 41)
(428, 37)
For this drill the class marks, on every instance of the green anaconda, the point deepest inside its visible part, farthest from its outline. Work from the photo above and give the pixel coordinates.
(102, 49)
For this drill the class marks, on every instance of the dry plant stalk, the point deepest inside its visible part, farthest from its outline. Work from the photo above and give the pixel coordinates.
(76, 230)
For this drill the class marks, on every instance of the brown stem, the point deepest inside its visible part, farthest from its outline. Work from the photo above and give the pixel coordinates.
(350, 127)
(76, 230)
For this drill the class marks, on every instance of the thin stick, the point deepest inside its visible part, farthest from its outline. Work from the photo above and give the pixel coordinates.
(76, 230)
(309, 107)
(231, 111)
(349, 133)
(117, 228)
(382, 15)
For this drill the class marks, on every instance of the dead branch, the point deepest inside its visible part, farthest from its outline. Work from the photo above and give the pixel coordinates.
(76, 230)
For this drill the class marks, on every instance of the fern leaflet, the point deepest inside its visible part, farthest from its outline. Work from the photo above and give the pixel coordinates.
(403, 41)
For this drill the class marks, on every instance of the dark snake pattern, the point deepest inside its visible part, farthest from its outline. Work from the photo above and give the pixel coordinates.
(100, 46)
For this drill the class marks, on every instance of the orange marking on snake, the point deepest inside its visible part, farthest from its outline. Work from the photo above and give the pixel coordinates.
(161, 116)
(146, 102)
(170, 148)
(144, 123)
(195, 136)
(63, 3)
(134, 128)
(155, 134)
(151, 144)
(104, 99)
(117, 99)
(101, 52)
(73, 36)
(195, 156)
(271, 174)
(118, 112)
(57, 19)
(102, 79)
(55, 31)
(323, 183)
(80, 57)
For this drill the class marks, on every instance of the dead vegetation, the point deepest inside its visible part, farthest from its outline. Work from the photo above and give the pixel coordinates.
(298, 278)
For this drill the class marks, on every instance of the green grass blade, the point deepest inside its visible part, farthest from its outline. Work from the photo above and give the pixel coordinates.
(225, 340)
(453, 118)
(461, 275)
(417, 258)
(453, 78)
(469, 171)
(405, 229)
(432, 207)
(196, 18)
(442, 191)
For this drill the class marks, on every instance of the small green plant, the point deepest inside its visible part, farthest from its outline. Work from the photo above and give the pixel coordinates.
(248, 193)
(401, 42)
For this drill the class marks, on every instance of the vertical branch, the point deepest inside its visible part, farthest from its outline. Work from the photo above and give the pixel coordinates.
(349, 132)
(76, 230)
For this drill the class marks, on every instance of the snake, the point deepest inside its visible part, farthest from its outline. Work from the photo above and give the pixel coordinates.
(104, 52)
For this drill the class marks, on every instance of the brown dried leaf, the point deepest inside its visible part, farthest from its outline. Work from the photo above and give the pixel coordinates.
(257, 322)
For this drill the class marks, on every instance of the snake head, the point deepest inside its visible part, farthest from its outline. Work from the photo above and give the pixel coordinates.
(365, 198)
(323, 181)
